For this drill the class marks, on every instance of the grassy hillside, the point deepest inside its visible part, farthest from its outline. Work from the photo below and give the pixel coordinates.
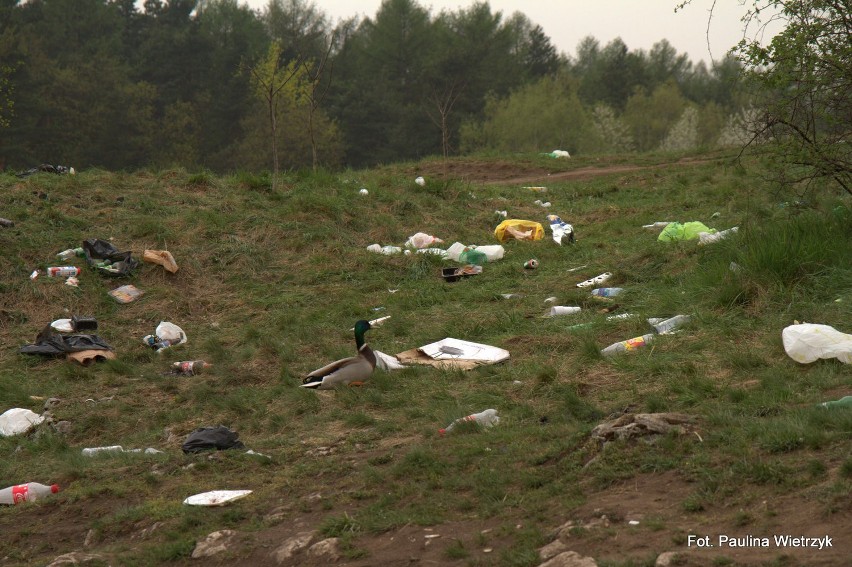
(269, 286)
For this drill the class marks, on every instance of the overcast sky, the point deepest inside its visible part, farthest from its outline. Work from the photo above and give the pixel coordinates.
(639, 23)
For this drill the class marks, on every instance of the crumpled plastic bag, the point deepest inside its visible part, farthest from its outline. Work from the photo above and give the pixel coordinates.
(560, 229)
(807, 342)
(422, 240)
(212, 438)
(170, 332)
(18, 420)
(519, 229)
(51, 342)
(686, 231)
(107, 259)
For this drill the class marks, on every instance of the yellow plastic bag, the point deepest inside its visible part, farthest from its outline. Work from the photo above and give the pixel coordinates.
(519, 229)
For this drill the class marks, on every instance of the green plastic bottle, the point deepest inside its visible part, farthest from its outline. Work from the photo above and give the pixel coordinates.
(844, 402)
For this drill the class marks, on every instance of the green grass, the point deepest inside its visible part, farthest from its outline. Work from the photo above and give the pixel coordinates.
(271, 281)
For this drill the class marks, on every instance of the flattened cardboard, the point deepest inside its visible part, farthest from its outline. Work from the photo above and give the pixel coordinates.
(472, 355)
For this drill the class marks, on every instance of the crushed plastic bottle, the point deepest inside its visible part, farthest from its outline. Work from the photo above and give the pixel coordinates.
(628, 345)
(487, 418)
(669, 325)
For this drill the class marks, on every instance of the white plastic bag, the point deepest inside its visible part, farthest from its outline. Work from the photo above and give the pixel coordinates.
(170, 332)
(422, 240)
(807, 342)
(18, 420)
(493, 252)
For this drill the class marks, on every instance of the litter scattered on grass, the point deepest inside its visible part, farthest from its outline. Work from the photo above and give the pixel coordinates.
(47, 168)
(113, 449)
(107, 259)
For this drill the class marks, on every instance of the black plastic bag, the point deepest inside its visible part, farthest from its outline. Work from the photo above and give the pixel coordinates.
(107, 259)
(210, 438)
(51, 342)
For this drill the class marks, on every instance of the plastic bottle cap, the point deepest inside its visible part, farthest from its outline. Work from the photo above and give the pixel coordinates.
(442, 431)
(54, 488)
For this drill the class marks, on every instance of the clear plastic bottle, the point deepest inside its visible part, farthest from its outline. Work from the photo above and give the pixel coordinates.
(628, 345)
(485, 418)
(607, 291)
(26, 492)
(92, 451)
(71, 253)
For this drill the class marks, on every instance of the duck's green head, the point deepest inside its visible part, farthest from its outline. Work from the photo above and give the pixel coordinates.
(361, 327)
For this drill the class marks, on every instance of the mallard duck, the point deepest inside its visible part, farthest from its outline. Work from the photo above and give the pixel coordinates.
(352, 371)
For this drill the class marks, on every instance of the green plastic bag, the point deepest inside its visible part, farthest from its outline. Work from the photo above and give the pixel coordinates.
(686, 231)
(471, 256)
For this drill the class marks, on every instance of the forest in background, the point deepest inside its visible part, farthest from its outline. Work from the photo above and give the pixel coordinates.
(110, 84)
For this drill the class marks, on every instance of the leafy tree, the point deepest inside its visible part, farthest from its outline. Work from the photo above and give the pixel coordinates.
(609, 75)
(302, 29)
(378, 99)
(614, 135)
(651, 115)
(542, 116)
(806, 75)
(683, 135)
(238, 39)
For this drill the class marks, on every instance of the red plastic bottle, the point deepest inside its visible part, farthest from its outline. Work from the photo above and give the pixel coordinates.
(26, 492)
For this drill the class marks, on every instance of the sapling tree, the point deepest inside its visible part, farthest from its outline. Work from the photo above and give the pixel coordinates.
(804, 76)
(270, 77)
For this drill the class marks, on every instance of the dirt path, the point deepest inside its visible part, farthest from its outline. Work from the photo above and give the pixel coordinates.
(505, 173)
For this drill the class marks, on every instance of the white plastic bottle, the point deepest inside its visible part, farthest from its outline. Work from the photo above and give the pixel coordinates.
(485, 418)
(557, 310)
(26, 492)
(628, 345)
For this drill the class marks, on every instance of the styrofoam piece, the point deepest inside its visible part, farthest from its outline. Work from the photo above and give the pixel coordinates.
(595, 280)
(216, 497)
